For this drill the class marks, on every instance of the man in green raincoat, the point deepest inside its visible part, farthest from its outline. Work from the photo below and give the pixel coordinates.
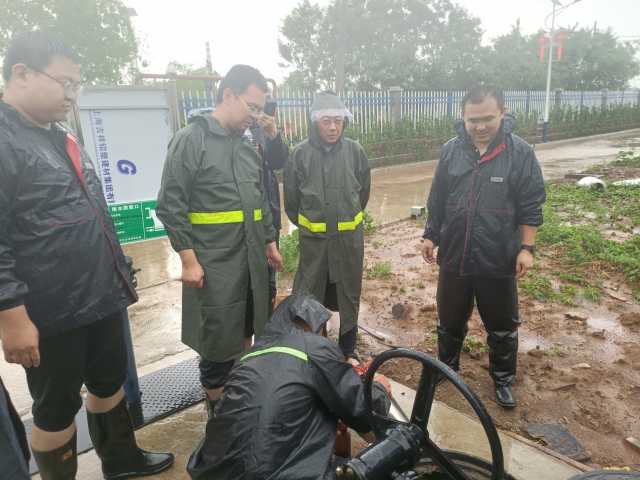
(218, 219)
(326, 189)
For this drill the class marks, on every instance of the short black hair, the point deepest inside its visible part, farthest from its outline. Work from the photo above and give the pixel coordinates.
(239, 79)
(478, 93)
(35, 49)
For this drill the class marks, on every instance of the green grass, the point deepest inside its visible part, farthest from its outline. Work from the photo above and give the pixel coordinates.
(472, 344)
(381, 271)
(574, 221)
(538, 286)
(554, 351)
(627, 159)
(290, 251)
(370, 226)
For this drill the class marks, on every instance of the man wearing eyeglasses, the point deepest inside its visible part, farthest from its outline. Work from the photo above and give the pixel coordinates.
(485, 206)
(213, 204)
(64, 281)
(326, 189)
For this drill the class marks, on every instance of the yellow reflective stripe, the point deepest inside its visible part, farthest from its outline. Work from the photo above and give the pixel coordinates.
(346, 226)
(213, 218)
(312, 227)
(286, 350)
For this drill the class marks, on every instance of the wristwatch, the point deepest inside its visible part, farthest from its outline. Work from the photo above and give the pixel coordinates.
(529, 248)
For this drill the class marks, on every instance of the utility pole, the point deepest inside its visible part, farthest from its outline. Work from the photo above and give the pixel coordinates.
(547, 103)
(208, 85)
(545, 125)
(341, 46)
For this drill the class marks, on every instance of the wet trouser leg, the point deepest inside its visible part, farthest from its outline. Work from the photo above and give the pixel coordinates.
(131, 383)
(347, 342)
(14, 452)
(273, 286)
(455, 304)
(497, 300)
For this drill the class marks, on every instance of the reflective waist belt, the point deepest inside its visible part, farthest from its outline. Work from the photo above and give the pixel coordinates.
(347, 226)
(212, 218)
(322, 227)
(286, 350)
(311, 226)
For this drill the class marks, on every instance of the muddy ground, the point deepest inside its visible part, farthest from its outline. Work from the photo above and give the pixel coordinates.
(579, 366)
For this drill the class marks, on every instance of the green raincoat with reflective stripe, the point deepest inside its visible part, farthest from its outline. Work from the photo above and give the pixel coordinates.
(211, 200)
(326, 189)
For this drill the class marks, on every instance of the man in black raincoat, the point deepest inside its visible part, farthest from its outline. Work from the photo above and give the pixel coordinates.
(327, 182)
(64, 282)
(484, 208)
(278, 415)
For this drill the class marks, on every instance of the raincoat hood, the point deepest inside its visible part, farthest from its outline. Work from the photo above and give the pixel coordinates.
(326, 104)
(304, 307)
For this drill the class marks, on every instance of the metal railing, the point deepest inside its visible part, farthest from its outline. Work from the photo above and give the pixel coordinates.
(376, 110)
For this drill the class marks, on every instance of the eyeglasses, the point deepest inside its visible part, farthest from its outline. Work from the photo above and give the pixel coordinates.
(71, 88)
(253, 109)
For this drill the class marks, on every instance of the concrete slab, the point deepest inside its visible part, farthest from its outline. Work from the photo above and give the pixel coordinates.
(179, 434)
(453, 430)
(449, 429)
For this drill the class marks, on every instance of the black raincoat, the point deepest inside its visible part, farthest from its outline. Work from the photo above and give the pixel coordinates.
(59, 255)
(477, 204)
(278, 416)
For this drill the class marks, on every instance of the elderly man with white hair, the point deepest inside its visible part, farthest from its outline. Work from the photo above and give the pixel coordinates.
(326, 187)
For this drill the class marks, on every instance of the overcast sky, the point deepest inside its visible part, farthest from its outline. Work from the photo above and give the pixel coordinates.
(246, 31)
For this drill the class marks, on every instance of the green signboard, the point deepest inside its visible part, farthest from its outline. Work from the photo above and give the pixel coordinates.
(136, 221)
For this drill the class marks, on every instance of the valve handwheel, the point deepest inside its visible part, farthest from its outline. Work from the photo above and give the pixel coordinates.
(398, 440)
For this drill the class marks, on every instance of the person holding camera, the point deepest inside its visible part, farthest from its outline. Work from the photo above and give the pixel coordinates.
(267, 140)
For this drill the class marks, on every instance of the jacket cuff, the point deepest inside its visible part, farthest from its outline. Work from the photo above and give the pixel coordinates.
(429, 234)
(533, 220)
(11, 303)
(181, 244)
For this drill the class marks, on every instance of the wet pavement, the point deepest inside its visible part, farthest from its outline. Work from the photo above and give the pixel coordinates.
(448, 429)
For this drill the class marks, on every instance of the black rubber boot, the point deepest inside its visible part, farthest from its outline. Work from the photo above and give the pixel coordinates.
(115, 443)
(58, 464)
(504, 396)
(503, 360)
(503, 356)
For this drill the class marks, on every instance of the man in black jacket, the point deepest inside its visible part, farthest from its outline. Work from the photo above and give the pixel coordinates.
(278, 415)
(64, 282)
(484, 209)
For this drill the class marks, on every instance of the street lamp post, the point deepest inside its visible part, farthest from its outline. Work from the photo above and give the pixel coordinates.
(547, 103)
(545, 125)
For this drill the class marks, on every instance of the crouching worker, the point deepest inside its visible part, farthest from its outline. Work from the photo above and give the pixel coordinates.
(278, 415)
